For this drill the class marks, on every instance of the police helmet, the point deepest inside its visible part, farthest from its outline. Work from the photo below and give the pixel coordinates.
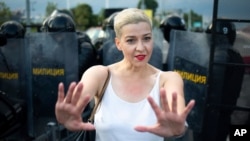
(64, 11)
(12, 29)
(171, 22)
(224, 28)
(109, 22)
(59, 23)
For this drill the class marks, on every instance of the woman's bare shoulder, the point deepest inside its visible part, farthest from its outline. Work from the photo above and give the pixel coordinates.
(97, 71)
(99, 68)
(171, 75)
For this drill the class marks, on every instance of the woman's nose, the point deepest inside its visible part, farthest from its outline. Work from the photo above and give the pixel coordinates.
(140, 46)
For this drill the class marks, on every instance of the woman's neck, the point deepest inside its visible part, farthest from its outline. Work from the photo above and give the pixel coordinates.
(131, 70)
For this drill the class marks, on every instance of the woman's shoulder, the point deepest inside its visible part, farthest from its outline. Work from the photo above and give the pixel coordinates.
(97, 71)
(170, 75)
(98, 68)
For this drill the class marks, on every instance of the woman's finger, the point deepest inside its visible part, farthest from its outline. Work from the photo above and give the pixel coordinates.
(164, 101)
(174, 103)
(188, 108)
(70, 92)
(77, 95)
(154, 106)
(60, 95)
(83, 103)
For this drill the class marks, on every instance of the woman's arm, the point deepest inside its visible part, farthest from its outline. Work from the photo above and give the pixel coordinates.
(69, 106)
(174, 88)
(172, 113)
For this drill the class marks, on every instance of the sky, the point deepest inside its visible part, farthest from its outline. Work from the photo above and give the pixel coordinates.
(38, 7)
(228, 8)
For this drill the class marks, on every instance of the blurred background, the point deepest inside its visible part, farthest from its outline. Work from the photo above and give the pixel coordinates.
(193, 48)
(91, 13)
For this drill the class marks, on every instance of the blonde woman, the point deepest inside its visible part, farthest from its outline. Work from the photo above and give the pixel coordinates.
(140, 103)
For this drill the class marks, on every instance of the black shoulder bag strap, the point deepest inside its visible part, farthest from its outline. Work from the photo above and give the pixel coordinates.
(91, 119)
(85, 135)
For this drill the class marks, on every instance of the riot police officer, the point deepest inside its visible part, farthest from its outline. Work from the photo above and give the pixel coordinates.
(233, 74)
(12, 29)
(10, 53)
(61, 22)
(12, 111)
(108, 44)
(171, 22)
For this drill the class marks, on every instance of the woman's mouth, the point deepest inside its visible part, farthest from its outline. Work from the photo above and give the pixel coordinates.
(140, 57)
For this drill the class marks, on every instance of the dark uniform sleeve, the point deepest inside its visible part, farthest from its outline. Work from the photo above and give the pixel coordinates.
(87, 57)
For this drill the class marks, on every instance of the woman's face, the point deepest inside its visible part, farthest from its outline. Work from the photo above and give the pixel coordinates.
(136, 43)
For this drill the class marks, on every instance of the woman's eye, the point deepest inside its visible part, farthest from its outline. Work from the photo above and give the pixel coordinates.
(147, 38)
(130, 41)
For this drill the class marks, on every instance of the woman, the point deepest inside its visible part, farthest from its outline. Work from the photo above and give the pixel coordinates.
(140, 103)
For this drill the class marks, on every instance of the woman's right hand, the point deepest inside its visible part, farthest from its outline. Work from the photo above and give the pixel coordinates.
(69, 108)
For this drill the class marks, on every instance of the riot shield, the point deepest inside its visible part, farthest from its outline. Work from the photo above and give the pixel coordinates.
(191, 59)
(52, 58)
(189, 54)
(232, 9)
(242, 44)
(108, 52)
(12, 87)
(12, 67)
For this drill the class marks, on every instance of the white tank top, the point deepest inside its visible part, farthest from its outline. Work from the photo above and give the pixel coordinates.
(116, 118)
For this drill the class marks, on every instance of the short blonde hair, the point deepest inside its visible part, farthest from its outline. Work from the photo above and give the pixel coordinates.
(129, 16)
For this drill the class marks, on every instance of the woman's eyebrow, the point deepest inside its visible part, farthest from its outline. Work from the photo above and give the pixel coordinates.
(147, 34)
(133, 36)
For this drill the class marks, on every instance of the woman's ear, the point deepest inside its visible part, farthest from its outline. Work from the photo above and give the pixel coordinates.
(117, 43)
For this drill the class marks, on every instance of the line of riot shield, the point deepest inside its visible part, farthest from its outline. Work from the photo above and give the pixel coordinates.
(12, 87)
(189, 55)
(52, 58)
(191, 59)
(242, 44)
(232, 9)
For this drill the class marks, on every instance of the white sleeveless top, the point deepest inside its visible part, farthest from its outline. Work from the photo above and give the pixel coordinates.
(116, 118)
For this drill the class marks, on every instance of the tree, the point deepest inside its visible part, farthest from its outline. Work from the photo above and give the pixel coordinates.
(149, 4)
(5, 13)
(50, 8)
(84, 17)
(195, 18)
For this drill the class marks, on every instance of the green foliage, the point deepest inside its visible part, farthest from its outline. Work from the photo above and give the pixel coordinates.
(50, 8)
(149, 4)
(84, 17)
(195, 17)
(101, 17)
(5, 13)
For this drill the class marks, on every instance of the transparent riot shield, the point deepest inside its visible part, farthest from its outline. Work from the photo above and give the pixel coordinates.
(237, 12)
(52, 58)
(189, 55)
(232, 9)
(109, 53)
(242, 44)
(12, 68)
(12, 87)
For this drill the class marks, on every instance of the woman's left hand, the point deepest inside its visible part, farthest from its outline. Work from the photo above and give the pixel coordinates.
(169, 122)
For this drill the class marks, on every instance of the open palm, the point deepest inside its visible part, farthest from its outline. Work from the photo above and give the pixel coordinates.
(68, 108)
(169, 121)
